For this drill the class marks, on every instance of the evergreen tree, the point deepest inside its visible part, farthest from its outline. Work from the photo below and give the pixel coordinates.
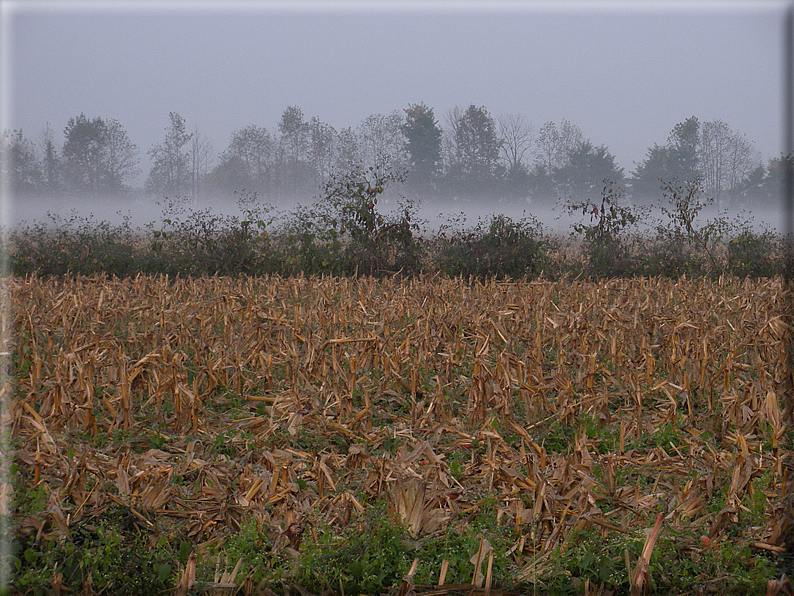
(98, 156)
(676, 161)
(424, 144)
(52, 179)
(473, 173)
(586, 172)
(24, 173)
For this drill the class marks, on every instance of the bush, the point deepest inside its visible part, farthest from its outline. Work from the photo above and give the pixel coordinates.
(683, 246)
(496, 247)
(112, 551)
(609, 239)
(77, 246)
(378, 551)
(343, 233)
(201, 242)
(752, 254)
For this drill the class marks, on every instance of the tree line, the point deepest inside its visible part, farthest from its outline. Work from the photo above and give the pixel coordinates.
(474, 156)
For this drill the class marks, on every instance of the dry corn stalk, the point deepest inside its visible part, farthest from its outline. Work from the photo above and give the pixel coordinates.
(436, 364)
(641, 577)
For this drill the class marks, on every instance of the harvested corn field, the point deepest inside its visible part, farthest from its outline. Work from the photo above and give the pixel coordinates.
(428, 436)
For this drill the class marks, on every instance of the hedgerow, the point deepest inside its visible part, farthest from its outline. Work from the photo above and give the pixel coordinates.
(345, 234)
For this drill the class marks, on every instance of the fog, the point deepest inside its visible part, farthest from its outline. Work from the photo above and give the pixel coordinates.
(623, 73)
(143, 212)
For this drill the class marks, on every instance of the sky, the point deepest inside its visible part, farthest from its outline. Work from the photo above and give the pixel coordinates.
(624, 72)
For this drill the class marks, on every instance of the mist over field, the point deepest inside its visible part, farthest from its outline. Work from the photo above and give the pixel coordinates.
(353, 295)
(647, 138)
(492, 109)
(142, 211)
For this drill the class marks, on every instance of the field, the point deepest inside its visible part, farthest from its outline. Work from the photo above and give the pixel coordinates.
(428, 435)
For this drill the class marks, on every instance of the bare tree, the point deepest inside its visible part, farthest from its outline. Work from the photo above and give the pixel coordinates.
(726, 159)
(381, 137)
(517, 136)
(449, 150)
(201, 157)
(322, 140)
(555, 144)
(743, 159)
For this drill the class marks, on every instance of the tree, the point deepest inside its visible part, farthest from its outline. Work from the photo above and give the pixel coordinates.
(24, 172)
(727, 157)
(765, 185)
(753, 188)
(448, 136)
(231, 174)
(518, 182)
(677, 160)
(742, 160)
(476, 149)
(121, 157)
(553, 147)
(471, 152)
(540, 185)
(295, 132)
(684, 146)
(347, 149)
(98, 156)
(588, 169)
(424, 144)
(171, 172)
(246, 163)
(82, 154)
(554, 144)
(646, 180)
(382, 143)
(322, 140)
(201, 157)
(713, 157)
(294, 145)
(52, 181)
(516, 136)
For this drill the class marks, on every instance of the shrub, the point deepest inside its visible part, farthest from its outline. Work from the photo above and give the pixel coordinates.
(683, 246)
(112, 551)
(496, 247)
(755, 254)
(78, 246)
(343, 233)
(609, 239)
(200, 242)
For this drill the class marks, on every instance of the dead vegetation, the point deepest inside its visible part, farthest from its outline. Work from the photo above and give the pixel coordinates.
(611, 437)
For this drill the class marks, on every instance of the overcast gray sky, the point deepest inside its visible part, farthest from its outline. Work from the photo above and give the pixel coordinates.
(625, 72)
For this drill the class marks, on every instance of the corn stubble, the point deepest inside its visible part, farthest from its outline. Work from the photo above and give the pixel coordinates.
(430, 393)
